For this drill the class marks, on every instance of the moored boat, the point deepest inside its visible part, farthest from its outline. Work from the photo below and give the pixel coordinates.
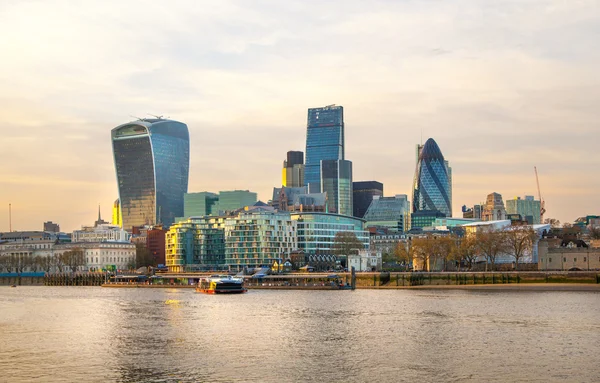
(221, 285)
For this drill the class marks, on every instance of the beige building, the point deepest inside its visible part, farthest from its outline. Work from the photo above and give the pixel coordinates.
(494, 208)
(553, 256)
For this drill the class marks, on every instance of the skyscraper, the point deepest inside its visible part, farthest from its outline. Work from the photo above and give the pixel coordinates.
(432, 188)
(293, 170)
(336, 181)
(152, 160)
(324, 141)
(363, 193)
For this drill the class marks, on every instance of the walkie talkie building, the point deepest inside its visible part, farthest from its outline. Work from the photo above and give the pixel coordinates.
(432, 188)
(152, 161)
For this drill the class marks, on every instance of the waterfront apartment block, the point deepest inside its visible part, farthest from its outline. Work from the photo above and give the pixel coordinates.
(259, 238)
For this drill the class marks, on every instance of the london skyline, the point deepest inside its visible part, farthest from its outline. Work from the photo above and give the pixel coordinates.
(501, 89)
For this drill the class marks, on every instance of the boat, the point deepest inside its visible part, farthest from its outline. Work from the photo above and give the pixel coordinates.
(221, 284)
(13, 285)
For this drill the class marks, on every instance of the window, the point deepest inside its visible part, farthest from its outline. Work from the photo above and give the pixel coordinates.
(584, 259)
(574, 259)
(549, 259)
(565, 259)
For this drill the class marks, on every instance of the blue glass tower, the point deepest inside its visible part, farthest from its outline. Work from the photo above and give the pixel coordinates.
(324, 141)
(432, 189)
(152, 161)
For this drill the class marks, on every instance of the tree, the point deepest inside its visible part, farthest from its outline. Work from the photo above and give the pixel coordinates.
(465, 250)
(46, 263)
(594, 232)
(58, 261)
(73, 259)
(490, 243)
(403, 253)
(346, 243)
(520, 240)
(4, 262)
(143, 256)
(431, 249)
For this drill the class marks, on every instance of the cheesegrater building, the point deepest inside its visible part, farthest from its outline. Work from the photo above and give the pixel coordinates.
(152, 160)
(432, 188)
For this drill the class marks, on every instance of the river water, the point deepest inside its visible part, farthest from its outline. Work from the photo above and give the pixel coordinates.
(93, 334)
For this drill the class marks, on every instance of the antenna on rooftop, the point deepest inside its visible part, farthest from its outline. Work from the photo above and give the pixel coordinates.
(139, 119)
(155, 116)
(10, 217)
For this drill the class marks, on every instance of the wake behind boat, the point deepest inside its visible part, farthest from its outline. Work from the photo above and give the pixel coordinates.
(221, 284)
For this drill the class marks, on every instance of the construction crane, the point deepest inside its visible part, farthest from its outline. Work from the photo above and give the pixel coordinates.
(542, 202)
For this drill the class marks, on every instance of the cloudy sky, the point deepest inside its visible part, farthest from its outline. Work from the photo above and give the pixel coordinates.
(502, 86)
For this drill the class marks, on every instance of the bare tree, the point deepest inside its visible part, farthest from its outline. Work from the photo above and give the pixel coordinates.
(46, 263)
(58, 261)
(431, 249)
(34, 264)
(520, 240)
(4, 262)
(490, 243)
(465, 251)
(594, 232)
(554, 223)
(74, 259)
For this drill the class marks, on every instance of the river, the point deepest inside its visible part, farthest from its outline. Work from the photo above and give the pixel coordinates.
(93, 334)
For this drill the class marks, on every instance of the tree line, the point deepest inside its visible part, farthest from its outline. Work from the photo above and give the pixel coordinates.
(487, 243)
(70, 260)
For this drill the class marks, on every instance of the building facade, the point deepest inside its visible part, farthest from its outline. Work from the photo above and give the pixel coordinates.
(336, 181)
(424, 218)
(494, 208)
(51, 227)
(432, 187)
(324, 141)
(199, 204)
(390, 212)
(152, 165)
(116, 214)
(230, 201)
(363, 193)
(527, 207)
(100, 233)
(259, 238)
(293, 170)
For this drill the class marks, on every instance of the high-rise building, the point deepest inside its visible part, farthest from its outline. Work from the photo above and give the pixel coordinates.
(432, 184)
(324, 141)
(199, 204)
(390, 212)
(152, 160)
(363, 193)
(336, 181)
(293, 170)
(116, 214)
(528, 208)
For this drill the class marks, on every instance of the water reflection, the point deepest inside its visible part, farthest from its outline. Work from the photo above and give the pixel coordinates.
(133, 335)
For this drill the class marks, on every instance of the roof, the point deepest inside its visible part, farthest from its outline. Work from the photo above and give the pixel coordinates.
(431, 150)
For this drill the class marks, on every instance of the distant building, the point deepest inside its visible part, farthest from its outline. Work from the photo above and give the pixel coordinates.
(450, 222)
(390, 212)
(100, 221)
(494, 208)
(424, 218)
(432, 186)
(324, 141)
(152, 161)
(102, 255)
(233, 200)
(365, 260)
(153, 238)
(51, 227)
(116, 214)
(100, 233)
(474, 212)
(199, 204)
(363, 193)
(293, 170)
(336, 181)
(528, 208)
(283, 198)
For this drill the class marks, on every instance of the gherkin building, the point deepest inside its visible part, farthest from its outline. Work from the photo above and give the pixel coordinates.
(432, 187)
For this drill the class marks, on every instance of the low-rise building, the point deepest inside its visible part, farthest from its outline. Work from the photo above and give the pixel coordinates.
(567, 255)
(100, 233)
(365, 260)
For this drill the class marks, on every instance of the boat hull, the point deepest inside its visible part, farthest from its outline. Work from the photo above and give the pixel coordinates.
(217, 291)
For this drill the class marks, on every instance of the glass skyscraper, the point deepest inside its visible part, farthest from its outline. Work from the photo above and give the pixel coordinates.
(432, 187)
(336, 181)
(152, 160)
(324, 141)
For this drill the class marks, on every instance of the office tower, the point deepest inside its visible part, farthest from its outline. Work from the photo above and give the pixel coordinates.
(363, 193)
(116, 214)
(324, 141)
(293, 170)
(199, 204)
(152, 161)
(51, 227)
(336, 181)
(432, 185)
(390, 212)
(528, 208)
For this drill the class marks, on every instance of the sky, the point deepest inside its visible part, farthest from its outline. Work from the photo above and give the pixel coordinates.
(502, 86)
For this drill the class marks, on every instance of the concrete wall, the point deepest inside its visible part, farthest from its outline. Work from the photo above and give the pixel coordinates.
(562, 258)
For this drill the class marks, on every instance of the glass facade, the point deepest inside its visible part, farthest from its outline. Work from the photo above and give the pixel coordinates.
(362, 196)
(324, 141)
(336, 181)
(528, 208)
(152, 165)
(391, 212)
(233, 200)
(316, 231)
(199, 204)
(432, 188)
